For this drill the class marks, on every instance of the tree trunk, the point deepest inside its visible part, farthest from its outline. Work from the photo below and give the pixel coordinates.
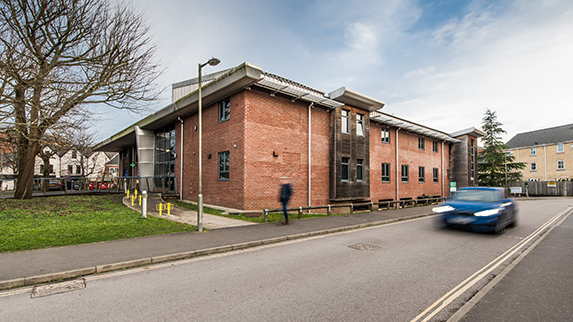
(25, 177)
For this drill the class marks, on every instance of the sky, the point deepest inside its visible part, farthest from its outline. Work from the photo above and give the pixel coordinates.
(441, 64)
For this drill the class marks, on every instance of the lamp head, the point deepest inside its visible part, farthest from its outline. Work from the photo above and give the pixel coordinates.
(213, 61)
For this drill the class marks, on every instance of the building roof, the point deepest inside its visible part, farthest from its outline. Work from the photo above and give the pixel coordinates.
(552, 135)
(391, 120)
(469, 131)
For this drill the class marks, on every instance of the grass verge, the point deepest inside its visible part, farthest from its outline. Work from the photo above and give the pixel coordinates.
(70, 220)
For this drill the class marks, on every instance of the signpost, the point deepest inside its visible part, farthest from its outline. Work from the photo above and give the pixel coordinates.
(453, 186)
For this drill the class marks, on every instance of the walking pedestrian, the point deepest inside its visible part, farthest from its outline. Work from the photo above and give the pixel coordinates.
(285, 193)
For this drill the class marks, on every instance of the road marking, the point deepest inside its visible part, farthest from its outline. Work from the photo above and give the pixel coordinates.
(457, 291)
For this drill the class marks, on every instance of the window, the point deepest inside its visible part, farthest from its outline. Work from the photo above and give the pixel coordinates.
(560, 165)
(404, 173)
(435, 146)
(78, 169)
(533, 166)
(345, 169)
(421, 143)
(224, 165)
(436, 175)
(359, 124)
(70, 169)
(360, 170)
(532, 151)
(224, 110)
(345, 119)
(560, 148)
(385, 172)
(51, 168)
(385, 135)
(421, 174)
(74, 154)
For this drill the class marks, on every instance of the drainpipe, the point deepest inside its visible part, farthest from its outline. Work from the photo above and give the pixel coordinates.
(309, 155)
(397, 169)
(181, 162)
(545, 167)
(442, 169)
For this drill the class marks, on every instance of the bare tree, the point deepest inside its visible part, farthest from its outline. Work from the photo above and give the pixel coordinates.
(56, 56)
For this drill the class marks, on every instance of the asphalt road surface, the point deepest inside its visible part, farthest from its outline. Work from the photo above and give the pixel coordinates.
(407, 271)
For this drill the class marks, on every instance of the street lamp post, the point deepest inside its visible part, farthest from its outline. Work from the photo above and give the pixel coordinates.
(213, 62)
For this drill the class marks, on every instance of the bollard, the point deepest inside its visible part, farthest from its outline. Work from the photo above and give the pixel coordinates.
(140, 199)
(127, 193)
(169, 206)
(144, 204)
(132, 200)
(299, 212)
(159, 207)
(266, 215)
(328, 211)
(135, 193)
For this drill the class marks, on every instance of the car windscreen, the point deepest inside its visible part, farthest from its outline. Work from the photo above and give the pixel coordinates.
(477, 195)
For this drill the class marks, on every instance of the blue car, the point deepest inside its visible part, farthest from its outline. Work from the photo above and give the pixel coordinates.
(479, 209)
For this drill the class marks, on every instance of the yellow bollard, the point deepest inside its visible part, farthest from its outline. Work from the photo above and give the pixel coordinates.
(159, 207)
(135, 193)
(169, 206)
(132, 200)
(140, 200)
(127, 193)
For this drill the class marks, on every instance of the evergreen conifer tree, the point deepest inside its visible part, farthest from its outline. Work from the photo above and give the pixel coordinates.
(496, 167)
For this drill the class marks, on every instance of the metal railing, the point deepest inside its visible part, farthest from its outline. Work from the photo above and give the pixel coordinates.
(75, 185)
(364, 205)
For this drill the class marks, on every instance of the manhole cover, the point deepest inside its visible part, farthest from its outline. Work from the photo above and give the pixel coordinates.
(366, 247)
(45, 290)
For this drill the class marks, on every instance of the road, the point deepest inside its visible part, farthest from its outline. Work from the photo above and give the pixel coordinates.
(408, 271)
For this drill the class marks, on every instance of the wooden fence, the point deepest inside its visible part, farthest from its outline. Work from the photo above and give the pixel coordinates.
(545, 188)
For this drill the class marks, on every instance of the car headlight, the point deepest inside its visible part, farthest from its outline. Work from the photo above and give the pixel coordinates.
(441, 209)
(489, 212)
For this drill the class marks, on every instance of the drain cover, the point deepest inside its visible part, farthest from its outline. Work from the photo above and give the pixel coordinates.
(45, 290)
(366, 247)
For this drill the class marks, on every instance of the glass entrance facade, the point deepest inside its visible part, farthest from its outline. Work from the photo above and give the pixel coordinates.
(164, 171)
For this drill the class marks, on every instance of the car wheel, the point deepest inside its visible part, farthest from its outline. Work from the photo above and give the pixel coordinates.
(513, 220)
(500, 226)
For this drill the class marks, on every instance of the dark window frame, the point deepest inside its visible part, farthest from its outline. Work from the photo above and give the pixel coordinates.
(421, 174)
(436, 175)
(224, 110)
(435, 146)
(224, 167)
(404, 173)
(421, 143)
(345, 169)
(360, 170)
(385, 172)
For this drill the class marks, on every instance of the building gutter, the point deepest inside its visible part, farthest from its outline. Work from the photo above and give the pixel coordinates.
(181, 163)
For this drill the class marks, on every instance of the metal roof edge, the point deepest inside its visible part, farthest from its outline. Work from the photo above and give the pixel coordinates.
(411, 126)
(356, 99)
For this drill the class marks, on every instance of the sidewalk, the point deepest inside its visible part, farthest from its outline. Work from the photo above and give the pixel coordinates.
(39, 266)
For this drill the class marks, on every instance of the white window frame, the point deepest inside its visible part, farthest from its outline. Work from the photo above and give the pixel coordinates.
(345, 121)
(385, 135)
(560, 148)
(359, 124)
(533, 166)
(532, 151)
(560, 165)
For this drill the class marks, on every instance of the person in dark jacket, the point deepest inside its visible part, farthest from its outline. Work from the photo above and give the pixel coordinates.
(284, 196)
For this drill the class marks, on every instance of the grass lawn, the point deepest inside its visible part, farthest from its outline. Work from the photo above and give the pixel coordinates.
(70, 220)
(272, 217)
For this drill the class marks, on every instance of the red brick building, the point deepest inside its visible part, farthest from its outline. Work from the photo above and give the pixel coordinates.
(259, 127)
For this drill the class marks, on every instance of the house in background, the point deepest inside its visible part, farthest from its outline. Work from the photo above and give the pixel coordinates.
(66, 163)
(259, 127)
(548, 153)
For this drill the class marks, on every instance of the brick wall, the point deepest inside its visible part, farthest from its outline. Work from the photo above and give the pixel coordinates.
(408, 154)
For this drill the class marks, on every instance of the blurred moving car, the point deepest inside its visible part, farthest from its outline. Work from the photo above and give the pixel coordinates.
(100, 185)
(479, 209)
